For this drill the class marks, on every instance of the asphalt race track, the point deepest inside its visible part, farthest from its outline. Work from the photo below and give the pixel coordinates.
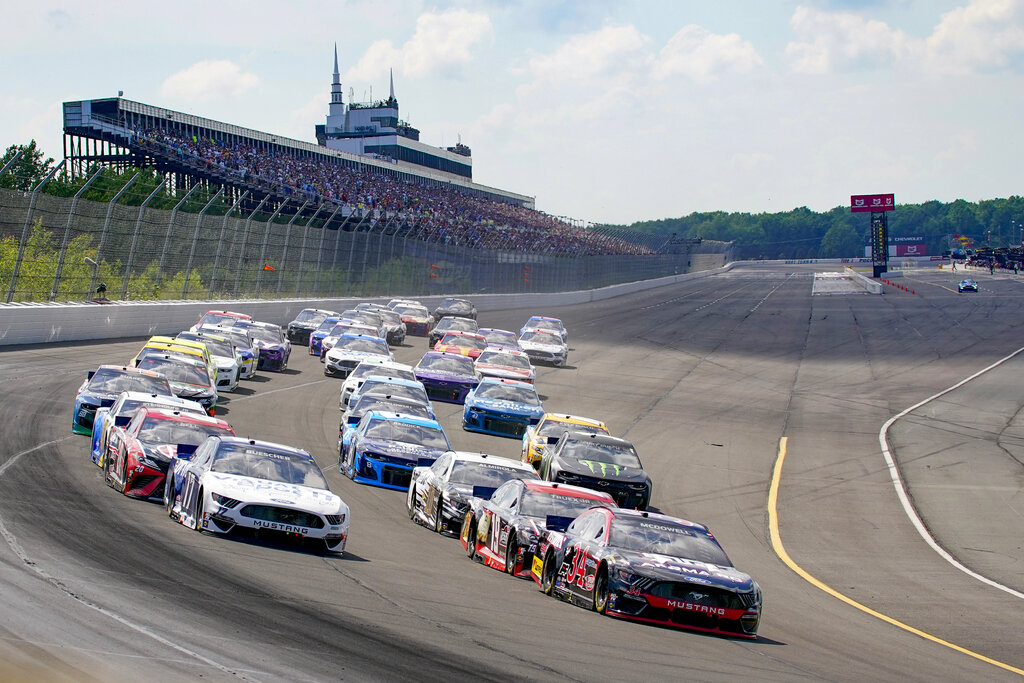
(705, 377)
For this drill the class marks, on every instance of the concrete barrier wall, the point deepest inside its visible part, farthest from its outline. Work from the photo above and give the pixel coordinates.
(39, 323)
(869, 285)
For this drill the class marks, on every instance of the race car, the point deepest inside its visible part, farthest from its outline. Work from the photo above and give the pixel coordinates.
(345, 326)
(222, 355)
(499, 338)
(415, 317)
(439, 495)
(967, 285)
(248, 357)
(537, 437)
(648, 567)
(235, 485)
(395, 303)
(188, 378)
(394, 328)
(372, 366)
(171, 348)
(540, 322)
(267, 338)
(601, 462)
(387, 446)
(461, 343)
(368, 318)
(121, 412)
(316, 337)
(392, 385)
(502, 407)
(351, 350)
(450, 324)
(505, 363)
(446, 377)
(220, 319)
(451, 305)
(102, 386)
(503, 531)
(139, 454)
(305, 323)
(543, 346)
(382, 402)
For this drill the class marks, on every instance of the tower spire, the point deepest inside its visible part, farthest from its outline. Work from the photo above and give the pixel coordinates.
(336, 83)
(391, 97)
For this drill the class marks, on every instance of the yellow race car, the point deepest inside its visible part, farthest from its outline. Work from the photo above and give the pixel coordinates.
(548, 430)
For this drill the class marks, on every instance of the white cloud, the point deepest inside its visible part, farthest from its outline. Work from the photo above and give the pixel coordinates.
(442, 43)
(839, 41)
(207, 80)
(750, 161)
(702, 56)
(984, 35)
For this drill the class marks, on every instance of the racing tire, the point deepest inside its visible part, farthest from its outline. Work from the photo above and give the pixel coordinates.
(124, 477)
(438, 519)
(511, 550)
(200, 505)
(601, 590)
(471, 541)
(168, 496)
(547, 574)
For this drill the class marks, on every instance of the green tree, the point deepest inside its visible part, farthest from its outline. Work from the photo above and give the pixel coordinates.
(31, 167)
(841, 240)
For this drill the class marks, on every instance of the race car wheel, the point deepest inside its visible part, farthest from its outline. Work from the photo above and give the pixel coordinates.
(168, 494)
(511, 551)
(124, 475)
(438, 520)
(547, 574)
(471, 541)
(198, 525)
(601, 590)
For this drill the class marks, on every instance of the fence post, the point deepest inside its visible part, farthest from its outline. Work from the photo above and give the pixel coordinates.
(67, 233)
(135, 240)
(28, 224)
(263, 250)
(167, 238)
(320, 252)
(11, 162)
(195, 240)
(220, 241)
(245, 238)
(284, 252)
(103, 235)
(302, 253)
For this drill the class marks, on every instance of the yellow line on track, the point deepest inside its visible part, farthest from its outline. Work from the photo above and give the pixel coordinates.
(780, 550)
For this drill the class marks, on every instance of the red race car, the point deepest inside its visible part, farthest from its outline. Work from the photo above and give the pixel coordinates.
(462, 344)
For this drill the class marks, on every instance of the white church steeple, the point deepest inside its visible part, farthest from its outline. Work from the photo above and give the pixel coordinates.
(336, 114)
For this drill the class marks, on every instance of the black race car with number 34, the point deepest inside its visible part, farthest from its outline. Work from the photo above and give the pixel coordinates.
(648, 567)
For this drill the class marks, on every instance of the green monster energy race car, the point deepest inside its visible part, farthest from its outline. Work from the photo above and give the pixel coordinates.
(600, 462)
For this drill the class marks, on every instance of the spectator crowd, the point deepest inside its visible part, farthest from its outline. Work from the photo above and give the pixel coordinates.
(427, 210)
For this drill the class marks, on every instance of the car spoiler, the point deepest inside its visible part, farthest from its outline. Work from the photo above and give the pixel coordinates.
(186, 451)
(122, 420)
(558, 522)
(484, 491)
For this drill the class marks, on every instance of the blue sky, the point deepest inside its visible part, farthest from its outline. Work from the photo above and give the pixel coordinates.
(605, 111)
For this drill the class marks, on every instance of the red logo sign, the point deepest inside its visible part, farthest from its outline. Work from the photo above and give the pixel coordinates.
(872, 202)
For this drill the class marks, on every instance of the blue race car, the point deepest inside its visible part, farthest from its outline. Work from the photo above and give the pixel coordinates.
(502, 407)
(386, 446)
(316, 337)
(101, 387)
(967, 285)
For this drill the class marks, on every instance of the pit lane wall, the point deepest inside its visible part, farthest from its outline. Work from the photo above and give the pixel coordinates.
(36, 323)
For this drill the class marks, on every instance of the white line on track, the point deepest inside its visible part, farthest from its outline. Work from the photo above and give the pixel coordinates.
(901, 491)
(12, 542)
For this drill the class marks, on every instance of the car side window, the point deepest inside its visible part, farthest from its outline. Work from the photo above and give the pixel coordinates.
(505, 495)
(441, 464)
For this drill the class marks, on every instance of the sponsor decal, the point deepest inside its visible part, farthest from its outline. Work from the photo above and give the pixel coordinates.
(604, 467)
(588, 583)
(693, 607)
(662, 527)
(538, 565)
(290, 528)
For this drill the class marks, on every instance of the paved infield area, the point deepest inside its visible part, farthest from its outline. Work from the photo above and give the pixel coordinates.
(704, 376)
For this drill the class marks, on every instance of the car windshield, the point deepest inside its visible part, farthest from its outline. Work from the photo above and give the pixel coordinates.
(556, 427)
(372, 386)
(176, 372)
(266, 334)
(500, 338)
(505, 360)
(462, 365)
(214, 346)
(365, 370)
(412, 311)
(407, 432)
(362, 345)
(508, 392)
(309, 315)
(390, 317)
(263, 463)
(666, 538)
(116, 381)
(541, 504)
(484, 474)
(157, 430)
(365, 317)
(610, 454)
(541, 338)
(545, 325)
(384, 402)
(218, 318)
(452, 324)
(238, 338)
(464, 341)
(456, 305)
(326, 325)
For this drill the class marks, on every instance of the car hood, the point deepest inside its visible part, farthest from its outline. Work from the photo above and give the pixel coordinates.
(411, 452)
(502, 406)
(444, 376)
(593, 468)
(183, 390)
(669, 568)
(265, 491)
(540, 347)
(503, 371)
(339, 354)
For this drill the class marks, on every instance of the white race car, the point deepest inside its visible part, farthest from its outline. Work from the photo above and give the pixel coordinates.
(236, 485)
(353, 349)
(543, 346)
(373, 366)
